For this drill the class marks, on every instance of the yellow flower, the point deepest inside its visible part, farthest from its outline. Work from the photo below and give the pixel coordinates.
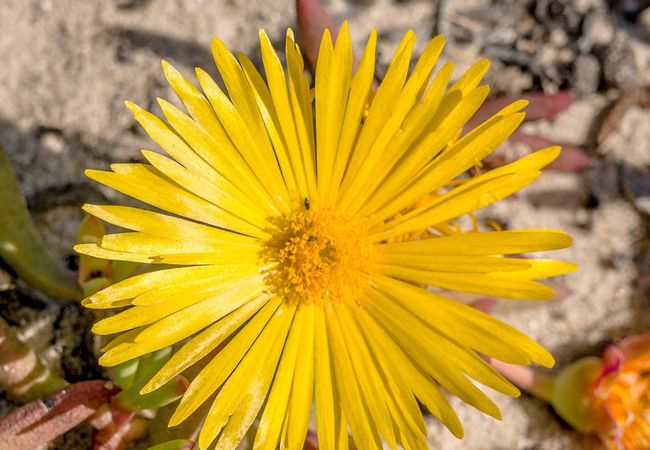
(306, 248)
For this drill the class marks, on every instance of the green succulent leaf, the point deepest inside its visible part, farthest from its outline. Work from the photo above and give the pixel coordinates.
(22, 247)
(177, 444)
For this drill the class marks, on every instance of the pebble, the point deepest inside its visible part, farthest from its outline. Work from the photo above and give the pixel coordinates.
(619, 65)
(586, 75)
(643, 19)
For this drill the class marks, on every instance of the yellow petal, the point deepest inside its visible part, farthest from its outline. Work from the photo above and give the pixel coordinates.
(290, 156)
(277, 406)
(542, 268)
(217, 371)
(98, 252)
(475, 283)
(139, 284)
(408, 98)
(138, 316)
(488, 243)
(157, 224)
(189, 320)
(197, 286)
(215, 146)
(371, 385)
(380, 110)
(460, 157)
(171, 142)
(442, 346)
(404, 407)
(301, 102)
(351, 127)
(203, 343)
(147, 184)
(242, 120)
(423, 119)
(242, 395)
(333, 74)
(425, 388)
(480, 331)
(437, 365)
(302, 391)
(471, 78)
(453, 263)
(137, 242)
(331, 424)
(462, 200)
(364, 430)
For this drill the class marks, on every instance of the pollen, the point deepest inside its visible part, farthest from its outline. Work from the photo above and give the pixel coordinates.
(322, 257)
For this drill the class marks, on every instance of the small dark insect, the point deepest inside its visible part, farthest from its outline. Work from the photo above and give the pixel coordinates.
(311, 238)
(306, 203)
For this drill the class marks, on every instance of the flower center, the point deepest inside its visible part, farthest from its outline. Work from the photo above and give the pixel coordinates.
(322, 257)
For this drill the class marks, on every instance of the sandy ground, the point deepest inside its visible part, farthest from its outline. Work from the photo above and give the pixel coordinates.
(68, 66)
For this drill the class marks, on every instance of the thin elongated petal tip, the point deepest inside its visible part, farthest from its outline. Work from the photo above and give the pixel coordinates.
(132, 106)
(167, 67)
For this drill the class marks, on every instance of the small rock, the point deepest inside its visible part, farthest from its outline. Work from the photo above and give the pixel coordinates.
(586, 75)
(636, 186)
(643, 20)
(130, 4)
(53, 142)
(6, 281)
(598, 31)
(619, 65)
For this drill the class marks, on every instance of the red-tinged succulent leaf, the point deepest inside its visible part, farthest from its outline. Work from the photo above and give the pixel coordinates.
(41, 421)
(540, 106)
(485, 305)
(120, 414)
(543, 106)
(22, 247)
(562, 291)
(524, 377)
(313, 20)
(101, 418)
(177, 444)
(311, 442)
(24, 378)
(571, 159)
(117, 437)
(115, 428)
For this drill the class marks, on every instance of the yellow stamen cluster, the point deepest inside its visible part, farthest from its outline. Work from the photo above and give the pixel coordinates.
(323, 257)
